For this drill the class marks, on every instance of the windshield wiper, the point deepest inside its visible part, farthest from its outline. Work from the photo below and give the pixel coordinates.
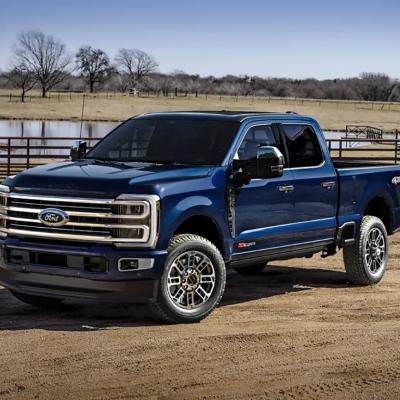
(154, 161)
(136, 160)
(102, 159)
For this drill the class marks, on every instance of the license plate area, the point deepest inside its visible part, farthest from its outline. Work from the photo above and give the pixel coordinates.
(91, 264)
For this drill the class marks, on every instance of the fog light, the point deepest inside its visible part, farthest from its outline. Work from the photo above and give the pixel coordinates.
(134, 264)
(128, 264)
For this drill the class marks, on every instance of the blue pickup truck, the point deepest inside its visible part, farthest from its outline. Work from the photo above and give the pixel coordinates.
(165, 203)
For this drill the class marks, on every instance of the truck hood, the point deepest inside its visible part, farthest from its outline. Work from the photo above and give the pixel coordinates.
(109, 179)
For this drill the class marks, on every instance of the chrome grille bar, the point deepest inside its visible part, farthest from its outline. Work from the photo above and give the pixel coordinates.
(69, 223)
(129, 219)
(73, 213)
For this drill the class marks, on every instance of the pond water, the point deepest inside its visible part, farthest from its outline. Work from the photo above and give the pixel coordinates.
(55, 128)
(43, 131)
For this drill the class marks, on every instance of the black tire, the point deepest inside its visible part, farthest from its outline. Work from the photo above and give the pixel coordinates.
(251, 269)
(37, 301)
(357, 256)
(171, 310)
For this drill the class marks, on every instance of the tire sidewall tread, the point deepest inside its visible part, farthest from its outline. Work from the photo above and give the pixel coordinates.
(162, 307)
(354, 255)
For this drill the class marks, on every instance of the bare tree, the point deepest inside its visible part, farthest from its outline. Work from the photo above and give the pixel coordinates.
(22, 78)
(136, 64)
(94, 65)
(43, 55)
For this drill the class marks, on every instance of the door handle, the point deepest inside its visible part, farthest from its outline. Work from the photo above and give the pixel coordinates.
(286, 188)
(328, 184)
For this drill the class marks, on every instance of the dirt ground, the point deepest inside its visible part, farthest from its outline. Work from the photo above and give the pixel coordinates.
(298, 331)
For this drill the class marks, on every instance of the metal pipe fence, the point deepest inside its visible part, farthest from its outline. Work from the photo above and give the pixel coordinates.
(19, 153)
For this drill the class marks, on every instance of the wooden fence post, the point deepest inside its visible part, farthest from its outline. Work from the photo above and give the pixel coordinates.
(8, 156)
(28, 144)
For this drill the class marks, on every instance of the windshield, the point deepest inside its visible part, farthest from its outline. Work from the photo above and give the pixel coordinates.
(179, 141)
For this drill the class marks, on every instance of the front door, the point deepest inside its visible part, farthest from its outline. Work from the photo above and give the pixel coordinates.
(264, 208)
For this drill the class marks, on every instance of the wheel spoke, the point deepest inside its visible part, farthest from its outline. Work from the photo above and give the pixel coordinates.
(179, 266)
(202, 293)
(174, 280)
(178, 296)
(207, 278)
(190, 299)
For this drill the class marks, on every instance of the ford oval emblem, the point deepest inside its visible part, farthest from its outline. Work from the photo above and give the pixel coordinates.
(53, 217)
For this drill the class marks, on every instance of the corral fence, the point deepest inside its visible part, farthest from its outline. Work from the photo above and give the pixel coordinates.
(384, 149)
(19, 153)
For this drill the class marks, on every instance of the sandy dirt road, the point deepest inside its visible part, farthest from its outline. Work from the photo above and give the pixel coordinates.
(298, 331)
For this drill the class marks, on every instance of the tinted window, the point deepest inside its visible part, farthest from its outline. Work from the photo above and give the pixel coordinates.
(255, 137)
(303, 146)
(180, 141)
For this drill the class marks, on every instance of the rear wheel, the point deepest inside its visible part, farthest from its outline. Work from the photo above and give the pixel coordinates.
(251, 269)
(366, 259)
(193, 281)
(37, 301)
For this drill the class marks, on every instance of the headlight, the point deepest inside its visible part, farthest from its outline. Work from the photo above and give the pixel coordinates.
(143, 210)
(4, 189)
(4, 192)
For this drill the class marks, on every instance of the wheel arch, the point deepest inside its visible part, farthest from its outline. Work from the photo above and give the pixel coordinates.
(381, 206)
(202, 225)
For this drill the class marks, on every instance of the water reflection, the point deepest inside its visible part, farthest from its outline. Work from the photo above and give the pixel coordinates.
(56, 136)
(36, 128)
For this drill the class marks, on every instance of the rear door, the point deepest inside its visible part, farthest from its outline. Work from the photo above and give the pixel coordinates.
(315, 184)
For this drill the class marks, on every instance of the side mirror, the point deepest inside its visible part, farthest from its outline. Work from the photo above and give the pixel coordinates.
(78, 150)
(270, 163)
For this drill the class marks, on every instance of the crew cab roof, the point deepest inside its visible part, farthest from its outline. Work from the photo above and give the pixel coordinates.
(238, 116)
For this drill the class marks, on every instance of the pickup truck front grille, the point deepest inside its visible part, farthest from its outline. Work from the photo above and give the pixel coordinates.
(129, 220)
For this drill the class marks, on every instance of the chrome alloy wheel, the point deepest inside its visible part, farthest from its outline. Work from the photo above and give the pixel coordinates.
(375, 251)
(191, 280)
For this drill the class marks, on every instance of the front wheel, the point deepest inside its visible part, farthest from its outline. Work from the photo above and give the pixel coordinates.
(193, 281)
(366, 259)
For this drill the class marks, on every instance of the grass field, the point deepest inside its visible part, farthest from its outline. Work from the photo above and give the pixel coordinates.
(333, 115)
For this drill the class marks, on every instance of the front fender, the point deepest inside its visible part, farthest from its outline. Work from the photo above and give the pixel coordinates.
(197, 205)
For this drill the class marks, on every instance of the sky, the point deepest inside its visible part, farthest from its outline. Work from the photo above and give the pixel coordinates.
(282, 38)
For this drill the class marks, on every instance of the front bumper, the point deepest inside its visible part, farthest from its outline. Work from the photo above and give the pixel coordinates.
(63, 282)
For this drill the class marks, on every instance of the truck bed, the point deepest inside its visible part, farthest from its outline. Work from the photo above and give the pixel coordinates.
(358, 163)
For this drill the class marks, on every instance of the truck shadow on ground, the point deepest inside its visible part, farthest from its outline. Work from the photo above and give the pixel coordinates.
(74, 316)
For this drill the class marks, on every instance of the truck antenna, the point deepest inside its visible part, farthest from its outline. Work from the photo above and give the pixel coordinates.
(83, 109)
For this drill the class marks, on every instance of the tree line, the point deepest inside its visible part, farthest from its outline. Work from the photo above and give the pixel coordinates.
(42, 61)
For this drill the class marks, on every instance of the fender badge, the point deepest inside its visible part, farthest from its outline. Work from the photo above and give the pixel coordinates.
(396, 180)
(245, 245)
